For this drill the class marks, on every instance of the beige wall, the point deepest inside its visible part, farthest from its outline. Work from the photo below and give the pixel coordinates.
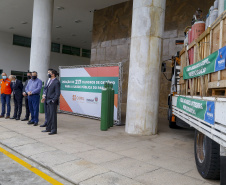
(112, 32)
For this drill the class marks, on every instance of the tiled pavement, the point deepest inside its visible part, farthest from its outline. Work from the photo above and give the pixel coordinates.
(83, 154)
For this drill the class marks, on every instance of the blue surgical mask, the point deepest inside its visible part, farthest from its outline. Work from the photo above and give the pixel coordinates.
(4, 77)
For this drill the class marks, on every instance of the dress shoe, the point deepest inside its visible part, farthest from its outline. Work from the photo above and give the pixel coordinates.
(25, 119)
(18, 118)
(52, 133)
(12, 118)
(35, 124)
(44, 125)
(1, 116)
(46, 131)
(7, 117)
(30, 122)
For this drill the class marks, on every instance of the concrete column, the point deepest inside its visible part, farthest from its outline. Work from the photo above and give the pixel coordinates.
(145, 63)
(41, 37)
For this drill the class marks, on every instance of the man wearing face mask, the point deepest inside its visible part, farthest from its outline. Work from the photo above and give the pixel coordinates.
(33, 90)
(43, 96)
(26, 98)
(5, 95)
(17, 88)
(51, 100)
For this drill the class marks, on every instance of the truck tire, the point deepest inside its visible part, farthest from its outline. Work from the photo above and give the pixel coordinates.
(182, 124)
(207, 156)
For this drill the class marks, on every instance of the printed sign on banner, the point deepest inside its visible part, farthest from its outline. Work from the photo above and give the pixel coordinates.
(212, 63)
(203, 110)
(220, 62)
(81, 89)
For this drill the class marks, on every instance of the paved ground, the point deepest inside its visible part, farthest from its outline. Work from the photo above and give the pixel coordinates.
(12, 172)
(83, 154)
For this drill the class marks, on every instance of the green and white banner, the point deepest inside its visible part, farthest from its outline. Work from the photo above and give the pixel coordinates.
(81, 89)
(201, 109)
(212, 63)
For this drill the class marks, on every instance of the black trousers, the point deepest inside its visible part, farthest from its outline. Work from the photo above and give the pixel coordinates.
(46, 113)
(52, 117)
(27, 108)
(18, 105)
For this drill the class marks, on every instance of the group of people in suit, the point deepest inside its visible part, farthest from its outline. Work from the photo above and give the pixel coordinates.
(31, 92)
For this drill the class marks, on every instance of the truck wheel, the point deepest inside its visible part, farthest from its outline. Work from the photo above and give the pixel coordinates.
(207, 156)
(182, 124)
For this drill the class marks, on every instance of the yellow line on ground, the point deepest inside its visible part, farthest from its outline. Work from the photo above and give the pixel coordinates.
(31, 168)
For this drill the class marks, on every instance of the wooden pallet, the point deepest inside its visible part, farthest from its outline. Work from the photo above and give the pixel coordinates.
(218, 92)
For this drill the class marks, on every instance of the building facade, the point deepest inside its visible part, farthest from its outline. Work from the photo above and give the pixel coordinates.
(139, 33)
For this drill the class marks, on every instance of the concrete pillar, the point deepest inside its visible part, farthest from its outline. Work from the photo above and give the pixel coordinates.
(41, 37)
(145, 63)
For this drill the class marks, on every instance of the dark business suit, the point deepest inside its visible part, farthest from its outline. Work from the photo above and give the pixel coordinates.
(45, 106)
(17, 90)
(26, 102)
(52, 100)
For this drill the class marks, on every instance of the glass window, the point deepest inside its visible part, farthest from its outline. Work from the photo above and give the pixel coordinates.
(1, 73)
(20, 75)
(55, 47)
(71, 50)
(26, 42)
(75, 51)
(21, 41)
(66, 50)
(86, 53)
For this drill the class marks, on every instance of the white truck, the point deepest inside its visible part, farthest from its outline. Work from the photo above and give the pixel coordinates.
(207, 115)
(198, 96)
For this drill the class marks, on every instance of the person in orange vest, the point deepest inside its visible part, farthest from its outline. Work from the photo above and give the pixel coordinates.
(5, 95)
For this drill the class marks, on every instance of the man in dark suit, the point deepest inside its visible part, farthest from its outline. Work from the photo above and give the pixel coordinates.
(52, 100)
(17, 88)
(26, 99)
(43, 96)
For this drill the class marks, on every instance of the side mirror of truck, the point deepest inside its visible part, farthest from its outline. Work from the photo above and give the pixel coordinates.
(163, 67)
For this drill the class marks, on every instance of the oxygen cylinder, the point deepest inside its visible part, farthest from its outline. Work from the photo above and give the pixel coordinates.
(213, 16)
(215, 4)
(109, 105)
(221, 8)
(211, 19)
(197, 29)
(207, 21)
(112, 94)
(104, 108)
(41, 106)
